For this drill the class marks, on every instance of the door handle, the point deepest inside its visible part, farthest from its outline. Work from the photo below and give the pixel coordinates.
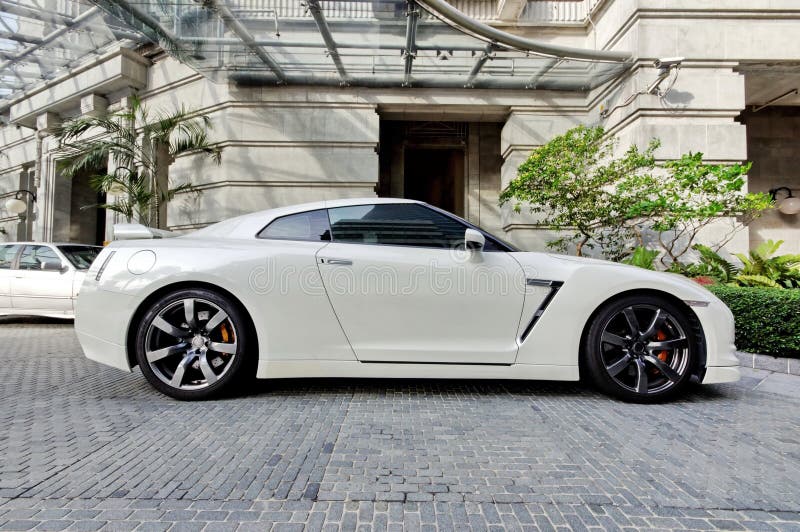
(336, 262)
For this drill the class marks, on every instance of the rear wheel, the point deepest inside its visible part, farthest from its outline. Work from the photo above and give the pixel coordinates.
(191, 344)
(641, 349)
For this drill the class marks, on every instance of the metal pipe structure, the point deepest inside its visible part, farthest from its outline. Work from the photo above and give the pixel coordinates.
(222, 41)
(385, 81)
(485, 56)
(550, 65)
(462, 22)
(330, 44)
(236, 26)
(410, 51)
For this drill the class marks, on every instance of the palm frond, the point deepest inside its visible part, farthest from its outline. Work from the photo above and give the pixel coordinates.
(756, 280)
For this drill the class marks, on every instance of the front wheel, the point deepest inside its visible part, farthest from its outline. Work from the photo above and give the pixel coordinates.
(191, 344)
(640, 349)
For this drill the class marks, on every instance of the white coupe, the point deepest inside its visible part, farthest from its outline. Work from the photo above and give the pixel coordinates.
(389, 288)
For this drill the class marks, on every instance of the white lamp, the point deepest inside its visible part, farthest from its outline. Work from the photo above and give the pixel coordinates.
(16, 206)
(788, 205)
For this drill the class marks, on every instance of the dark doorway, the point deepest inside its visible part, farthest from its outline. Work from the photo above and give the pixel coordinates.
(435, 176)
(87, 221)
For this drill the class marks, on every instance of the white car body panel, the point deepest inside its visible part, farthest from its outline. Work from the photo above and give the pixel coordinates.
(399, 304)
(303, 330)
(45, 293)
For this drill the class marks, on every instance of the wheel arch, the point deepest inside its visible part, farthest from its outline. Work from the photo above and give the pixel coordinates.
(130, 335)
(700, 367)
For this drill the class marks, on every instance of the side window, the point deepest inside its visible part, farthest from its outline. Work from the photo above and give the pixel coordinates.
(34, 257)
(311, 225)
(7, 254)
(399, 224)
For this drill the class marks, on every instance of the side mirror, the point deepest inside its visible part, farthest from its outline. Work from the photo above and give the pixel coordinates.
(474, 240)
(53, 266)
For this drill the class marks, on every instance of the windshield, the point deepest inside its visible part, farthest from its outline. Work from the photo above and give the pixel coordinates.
(80, 256)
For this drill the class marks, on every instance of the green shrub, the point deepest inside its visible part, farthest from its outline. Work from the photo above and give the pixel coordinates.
(767, 319)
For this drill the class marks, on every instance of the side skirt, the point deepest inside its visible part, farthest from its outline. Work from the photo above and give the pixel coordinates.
(282, 369)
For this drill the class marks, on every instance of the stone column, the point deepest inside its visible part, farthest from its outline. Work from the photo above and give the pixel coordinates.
(524, 130)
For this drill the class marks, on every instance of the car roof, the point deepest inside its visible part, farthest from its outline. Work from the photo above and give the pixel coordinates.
(248, 225)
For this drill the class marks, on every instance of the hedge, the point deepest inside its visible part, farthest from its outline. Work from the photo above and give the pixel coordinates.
(767, 319)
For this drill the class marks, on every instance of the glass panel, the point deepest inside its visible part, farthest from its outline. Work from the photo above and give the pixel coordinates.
(34, 257)
(81, 256)
(42, 39)
(312, 225)
(401, 224)
(7, 254)
(374, 43)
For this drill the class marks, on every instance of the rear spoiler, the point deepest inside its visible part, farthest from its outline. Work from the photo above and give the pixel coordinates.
(139, 231)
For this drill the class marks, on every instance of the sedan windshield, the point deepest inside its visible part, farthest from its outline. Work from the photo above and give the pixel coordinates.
(80, 256)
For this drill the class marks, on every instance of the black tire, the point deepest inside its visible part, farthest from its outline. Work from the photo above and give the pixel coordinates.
(206, 356)
(647, 358)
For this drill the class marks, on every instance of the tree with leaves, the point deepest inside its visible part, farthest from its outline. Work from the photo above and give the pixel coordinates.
(597, 200)
(579, 188)
(137, 147)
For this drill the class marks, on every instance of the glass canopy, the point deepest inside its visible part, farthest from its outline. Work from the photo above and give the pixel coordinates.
(371, 43)
(41, 39)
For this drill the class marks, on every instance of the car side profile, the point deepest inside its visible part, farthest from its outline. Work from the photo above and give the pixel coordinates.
(390, 288)
(42, 279)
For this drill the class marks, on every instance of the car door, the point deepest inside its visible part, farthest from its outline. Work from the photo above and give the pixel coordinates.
(403, 294)
(8, 253)
(38, 289)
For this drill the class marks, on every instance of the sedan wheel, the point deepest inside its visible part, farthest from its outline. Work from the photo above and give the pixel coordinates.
(190, 344)
(640, 349)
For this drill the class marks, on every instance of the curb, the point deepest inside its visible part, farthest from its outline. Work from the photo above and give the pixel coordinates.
(790, 366)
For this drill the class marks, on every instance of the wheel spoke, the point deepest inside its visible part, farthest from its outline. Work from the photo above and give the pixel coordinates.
(158, 354)
(188, 310)
(208, 372)
(221, 347)
(177, 377)
(214, 322)
(617, 367)
(633, 321)
(613, 339)
(641, 376)
(161, 323)
(663, 367)
(658, 321)
(667, 344)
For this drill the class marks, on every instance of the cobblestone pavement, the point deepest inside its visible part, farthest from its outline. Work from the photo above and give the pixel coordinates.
(84, 447)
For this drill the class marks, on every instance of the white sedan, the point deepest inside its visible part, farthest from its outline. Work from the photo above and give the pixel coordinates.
(390, 288)
(38, 279)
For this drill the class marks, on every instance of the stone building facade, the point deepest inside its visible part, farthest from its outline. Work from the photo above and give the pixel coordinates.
(453, 146)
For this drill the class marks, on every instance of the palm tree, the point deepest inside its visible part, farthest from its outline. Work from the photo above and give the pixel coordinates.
(137, 148)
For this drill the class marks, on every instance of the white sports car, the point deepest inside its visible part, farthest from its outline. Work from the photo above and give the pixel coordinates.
(389, 288)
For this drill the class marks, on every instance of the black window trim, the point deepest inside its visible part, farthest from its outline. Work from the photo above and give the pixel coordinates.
(501, 244)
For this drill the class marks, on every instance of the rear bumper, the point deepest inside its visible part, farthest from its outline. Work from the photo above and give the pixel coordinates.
(103, 351)
(101, 324)
(719, 374)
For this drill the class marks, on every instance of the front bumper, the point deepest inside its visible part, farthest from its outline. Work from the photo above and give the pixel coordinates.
(718, 374)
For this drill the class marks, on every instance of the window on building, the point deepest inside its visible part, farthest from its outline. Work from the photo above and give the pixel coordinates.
(312, 226)
(7, 254)
(34, 257)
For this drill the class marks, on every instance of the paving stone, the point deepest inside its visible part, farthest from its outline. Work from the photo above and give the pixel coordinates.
(85, 447)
